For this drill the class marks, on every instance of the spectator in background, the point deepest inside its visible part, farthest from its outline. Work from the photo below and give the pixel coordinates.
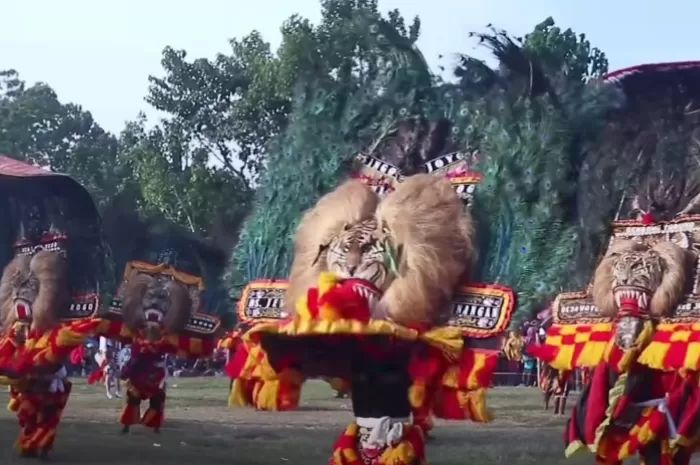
(529, 377)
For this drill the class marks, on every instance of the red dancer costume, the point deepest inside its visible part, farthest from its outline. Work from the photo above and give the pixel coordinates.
(47, 295)
(157, 312)
(369, 280)
(638, 336)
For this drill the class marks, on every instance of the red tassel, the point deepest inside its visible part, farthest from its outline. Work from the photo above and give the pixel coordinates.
(153, 418)
(131, 415)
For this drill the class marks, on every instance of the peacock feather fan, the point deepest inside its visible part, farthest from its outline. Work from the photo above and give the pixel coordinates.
(531, 130)
(331, 121)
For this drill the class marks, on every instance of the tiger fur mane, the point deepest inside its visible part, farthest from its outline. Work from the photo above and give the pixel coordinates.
(49, 269)
(426, 224)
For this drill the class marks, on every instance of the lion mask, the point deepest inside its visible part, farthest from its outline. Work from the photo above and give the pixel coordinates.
(635, 281)
(156, 304)
(34, 289)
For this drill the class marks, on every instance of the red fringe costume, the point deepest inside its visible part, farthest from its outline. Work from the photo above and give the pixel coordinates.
(627, 408)
(39, 400)
(332, 336)
(145, 372)
(49, 291)
(643, 400)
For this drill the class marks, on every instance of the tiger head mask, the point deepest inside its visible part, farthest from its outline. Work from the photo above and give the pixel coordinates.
(33, 289)
(414, 245)
(635, 281)
(155, 304)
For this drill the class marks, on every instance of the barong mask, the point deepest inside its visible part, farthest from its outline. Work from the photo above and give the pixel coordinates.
(636, 281)
(34, 286)
(414, 245)
(156, 301)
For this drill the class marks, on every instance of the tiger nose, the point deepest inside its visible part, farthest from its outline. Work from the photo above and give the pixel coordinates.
(351, 270)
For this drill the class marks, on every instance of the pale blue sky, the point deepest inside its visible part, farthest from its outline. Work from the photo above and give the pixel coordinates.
(100, 53)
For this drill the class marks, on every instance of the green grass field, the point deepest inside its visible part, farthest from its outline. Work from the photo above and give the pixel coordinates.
(200, 428)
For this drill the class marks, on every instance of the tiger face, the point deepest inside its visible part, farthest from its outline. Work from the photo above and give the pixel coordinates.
(357, 253)
(636, 281)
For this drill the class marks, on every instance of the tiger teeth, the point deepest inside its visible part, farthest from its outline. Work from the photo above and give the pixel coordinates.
(643, 300)
(367, 294)
(641, 297)
(361, 290)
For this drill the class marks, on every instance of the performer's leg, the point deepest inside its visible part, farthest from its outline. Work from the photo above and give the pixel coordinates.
(656, 453)
(131, 414)
(562, 405)
(117, 388)
(682, 457)
(108, 382)
(28, 417)
(49, 416)
(153, 416)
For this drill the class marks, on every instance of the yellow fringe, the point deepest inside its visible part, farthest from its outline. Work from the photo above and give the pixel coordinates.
(447, 339)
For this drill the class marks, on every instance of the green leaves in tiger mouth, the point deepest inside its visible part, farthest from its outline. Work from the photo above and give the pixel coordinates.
(391, 257)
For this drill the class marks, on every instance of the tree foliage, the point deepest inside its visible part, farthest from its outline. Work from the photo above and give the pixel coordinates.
(178, 184)
(37, 128)
(362, 76)
(264, 133)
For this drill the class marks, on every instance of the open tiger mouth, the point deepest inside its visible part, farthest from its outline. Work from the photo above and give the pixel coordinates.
(631, 296)
(366, 290)
(23, 309)
(154, 315)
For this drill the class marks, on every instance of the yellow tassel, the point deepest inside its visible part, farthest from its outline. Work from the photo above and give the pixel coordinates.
(573, 448)
(401, 454)
(326, 312)
(477, 400)
(416, 394)
(267, 394)
(447, 339)
(237, 396)
(473, 379)
(655, 354)
(326, 281)
(564, 358)
(302, 308)
(591, 354)
(692, 356)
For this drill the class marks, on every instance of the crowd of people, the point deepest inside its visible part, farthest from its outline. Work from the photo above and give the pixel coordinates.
(84, 362)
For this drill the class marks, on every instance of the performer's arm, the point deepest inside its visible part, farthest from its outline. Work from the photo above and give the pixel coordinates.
(115, 330)
(7, 344)
(190, 346)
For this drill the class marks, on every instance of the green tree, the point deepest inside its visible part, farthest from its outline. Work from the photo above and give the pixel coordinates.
(37, 128)
(237, 103)
(177, 181)
(534, 121)
(361, 77)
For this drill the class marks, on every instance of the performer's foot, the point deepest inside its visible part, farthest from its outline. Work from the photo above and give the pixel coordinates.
(27, 454)
(125, 429)
(44, 456)
(118, 395)
(109, 395)
(156, 430)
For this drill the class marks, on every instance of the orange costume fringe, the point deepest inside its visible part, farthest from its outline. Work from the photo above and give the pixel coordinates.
(145, 373)
(36, 376)
(331, 325)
